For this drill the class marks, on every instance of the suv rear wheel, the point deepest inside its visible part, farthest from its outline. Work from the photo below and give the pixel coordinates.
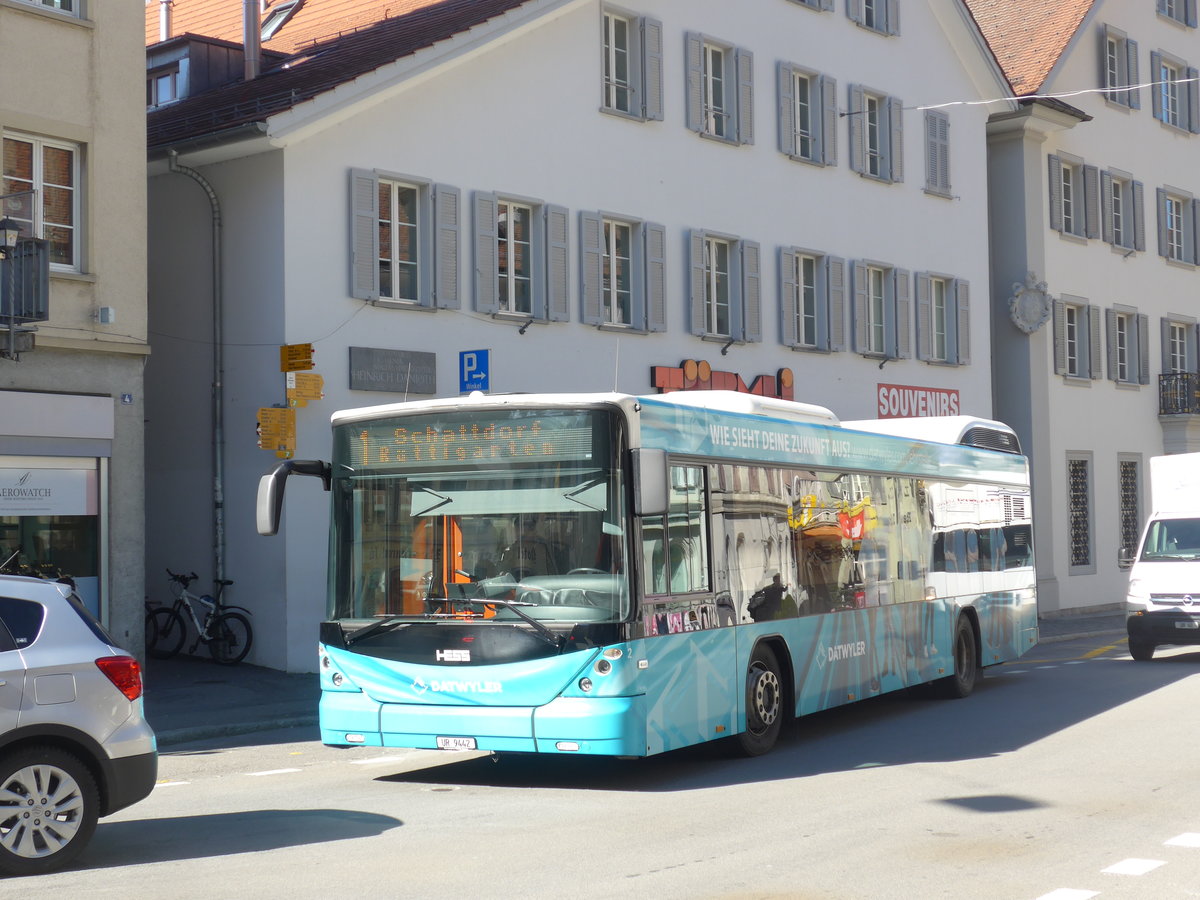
(48, 809)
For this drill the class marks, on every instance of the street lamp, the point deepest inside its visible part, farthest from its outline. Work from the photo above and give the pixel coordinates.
(9, 232)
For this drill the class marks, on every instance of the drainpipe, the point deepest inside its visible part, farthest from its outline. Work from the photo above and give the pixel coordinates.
(218, 366)
(164, 19)
(252, 38)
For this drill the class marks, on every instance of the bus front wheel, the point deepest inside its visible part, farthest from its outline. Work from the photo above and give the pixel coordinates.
(966, 662)
(764, 703)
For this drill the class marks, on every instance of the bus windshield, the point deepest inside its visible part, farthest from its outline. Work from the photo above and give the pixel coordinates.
(510, 515)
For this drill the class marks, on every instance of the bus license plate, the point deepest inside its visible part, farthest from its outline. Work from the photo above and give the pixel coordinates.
(456, 743)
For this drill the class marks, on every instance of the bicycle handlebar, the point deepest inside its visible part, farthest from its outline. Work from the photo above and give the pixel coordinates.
(184, 580)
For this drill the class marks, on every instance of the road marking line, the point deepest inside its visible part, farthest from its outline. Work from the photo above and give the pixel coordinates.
(376, 759)
(1069, 894)
(273, 772)
(1093, 653)
(1187, 839)
(163, 784)
(1134, 867)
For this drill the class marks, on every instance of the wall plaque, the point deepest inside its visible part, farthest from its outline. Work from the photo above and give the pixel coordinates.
(395, 371)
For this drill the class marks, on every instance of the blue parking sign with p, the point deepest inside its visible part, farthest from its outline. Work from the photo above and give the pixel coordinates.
(472, 370)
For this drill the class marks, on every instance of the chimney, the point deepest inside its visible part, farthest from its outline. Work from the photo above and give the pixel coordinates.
(252, 28)
(164, 19)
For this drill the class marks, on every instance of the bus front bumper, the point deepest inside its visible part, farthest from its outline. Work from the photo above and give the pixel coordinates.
(603, 726)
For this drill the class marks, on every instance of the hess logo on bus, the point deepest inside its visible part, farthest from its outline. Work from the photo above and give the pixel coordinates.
(452, 655)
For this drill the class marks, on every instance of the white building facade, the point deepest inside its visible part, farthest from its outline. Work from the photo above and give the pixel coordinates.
(569, 196)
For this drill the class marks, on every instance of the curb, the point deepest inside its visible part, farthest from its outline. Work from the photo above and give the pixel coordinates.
(175, 736)
(1059, 638)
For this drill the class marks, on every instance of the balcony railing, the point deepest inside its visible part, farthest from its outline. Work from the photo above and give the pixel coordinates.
(1179, 394)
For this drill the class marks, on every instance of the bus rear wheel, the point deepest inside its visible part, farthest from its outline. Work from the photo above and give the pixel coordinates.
(764, 703)
(966, 663)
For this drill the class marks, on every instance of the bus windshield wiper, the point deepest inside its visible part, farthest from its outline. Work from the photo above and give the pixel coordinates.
(515, 606)
(375, 627)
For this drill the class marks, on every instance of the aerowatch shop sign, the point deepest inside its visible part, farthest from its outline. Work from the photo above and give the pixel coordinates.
(47, 492)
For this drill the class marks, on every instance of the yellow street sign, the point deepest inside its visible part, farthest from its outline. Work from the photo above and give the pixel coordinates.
(295, 357)
(304, 386)
(277, 430)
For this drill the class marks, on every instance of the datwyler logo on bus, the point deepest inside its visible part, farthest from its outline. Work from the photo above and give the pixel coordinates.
(898, 401)
(453, 686)
(698, 375)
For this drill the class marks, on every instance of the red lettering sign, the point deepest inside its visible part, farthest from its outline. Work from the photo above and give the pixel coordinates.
(902, 401)
(693, 375)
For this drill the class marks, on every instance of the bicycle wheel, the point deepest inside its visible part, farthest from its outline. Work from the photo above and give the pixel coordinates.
(151, 631)
(169, 632)
(231, 638)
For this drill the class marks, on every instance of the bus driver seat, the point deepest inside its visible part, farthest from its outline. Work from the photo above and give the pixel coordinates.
(527, 557)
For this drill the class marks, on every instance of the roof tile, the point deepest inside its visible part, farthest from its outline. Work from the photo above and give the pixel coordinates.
(1028, 36)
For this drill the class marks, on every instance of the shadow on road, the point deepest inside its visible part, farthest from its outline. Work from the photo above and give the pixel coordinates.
(1007, 711)
(222, 834)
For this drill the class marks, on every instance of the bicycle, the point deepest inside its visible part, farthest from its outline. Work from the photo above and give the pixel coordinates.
(226, 633)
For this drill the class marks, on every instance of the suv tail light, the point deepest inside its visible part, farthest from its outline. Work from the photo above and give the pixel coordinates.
(124, 672)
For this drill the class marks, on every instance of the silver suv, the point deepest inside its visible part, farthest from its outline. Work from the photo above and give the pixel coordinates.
(74, 745)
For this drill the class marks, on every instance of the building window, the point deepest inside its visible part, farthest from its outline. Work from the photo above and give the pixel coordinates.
(1179, 345)
(812, 300)
(937, 153)
(521, 258)
(882, 16)
(163, 86)
(724, 290)
(880, 311)
(1181, 11)
(807, 115)
(622, 272)
(1128, 346)
(276, 17)
(50, 169)
(404, 241)
(943, 319)
(1074, 197)
(720, 90)
(1177, 226)
(876, 135)
(70, 7)
(1079, 513)
(632, 75)
(1123, 222)
(1129, 501)
(824, 5)
(1175, 94)
(1076, 338)
(1120, 68)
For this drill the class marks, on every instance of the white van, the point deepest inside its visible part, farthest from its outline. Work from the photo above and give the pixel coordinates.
(1162, 604)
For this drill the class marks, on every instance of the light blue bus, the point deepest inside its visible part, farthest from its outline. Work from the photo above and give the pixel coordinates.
(619, 575)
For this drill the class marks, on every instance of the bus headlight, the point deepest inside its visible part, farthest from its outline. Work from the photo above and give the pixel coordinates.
(603, 667)
(585, 684)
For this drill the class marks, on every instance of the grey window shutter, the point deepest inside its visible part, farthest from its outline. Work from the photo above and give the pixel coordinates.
(785, 78)
(1091, 201)
(751, 291)
(1190, 13)
(829, 117)
(696, 308)
(1191, 229)
(896, 139)
(835, 284)
(591, 268)
(487, 286)
(854, 9)
(902, 286)
(1060, 337)
(1139, 215)
(1095, 364)
(1106, 208)
(924, 317)
(854, 117)
(1156, 98)
(694, 57)
(893, 17)
(364, 234)
(1143, 337)
(447, 206)
(1164, 335)
(1056, 192)
(937, 151)
(962, 321)
(788, 332)
(558, 263)
(1193, 99)
(744, 66)
(656, 275)
(1161, 197)
(858, 308)
(652, 69)
(1193, 337)
(1110, 322)
(1131, 67)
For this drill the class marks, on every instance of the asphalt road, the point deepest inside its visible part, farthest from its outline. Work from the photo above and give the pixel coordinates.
(1066, 776)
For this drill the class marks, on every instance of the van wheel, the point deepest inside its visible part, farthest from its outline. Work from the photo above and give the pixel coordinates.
(764, 703)
(1141, 650)
(966, 663)
(48, 809)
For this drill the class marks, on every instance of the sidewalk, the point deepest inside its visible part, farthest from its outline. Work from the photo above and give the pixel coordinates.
(193, 698)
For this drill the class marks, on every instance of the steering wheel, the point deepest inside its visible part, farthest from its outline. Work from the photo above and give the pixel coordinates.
(587, 571)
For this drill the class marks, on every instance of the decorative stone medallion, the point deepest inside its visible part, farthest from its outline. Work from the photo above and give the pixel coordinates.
(1030, 305)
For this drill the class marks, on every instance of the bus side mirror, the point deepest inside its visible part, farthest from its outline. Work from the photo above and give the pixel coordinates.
(269, 507)
(1125, 558)
(649, 482)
